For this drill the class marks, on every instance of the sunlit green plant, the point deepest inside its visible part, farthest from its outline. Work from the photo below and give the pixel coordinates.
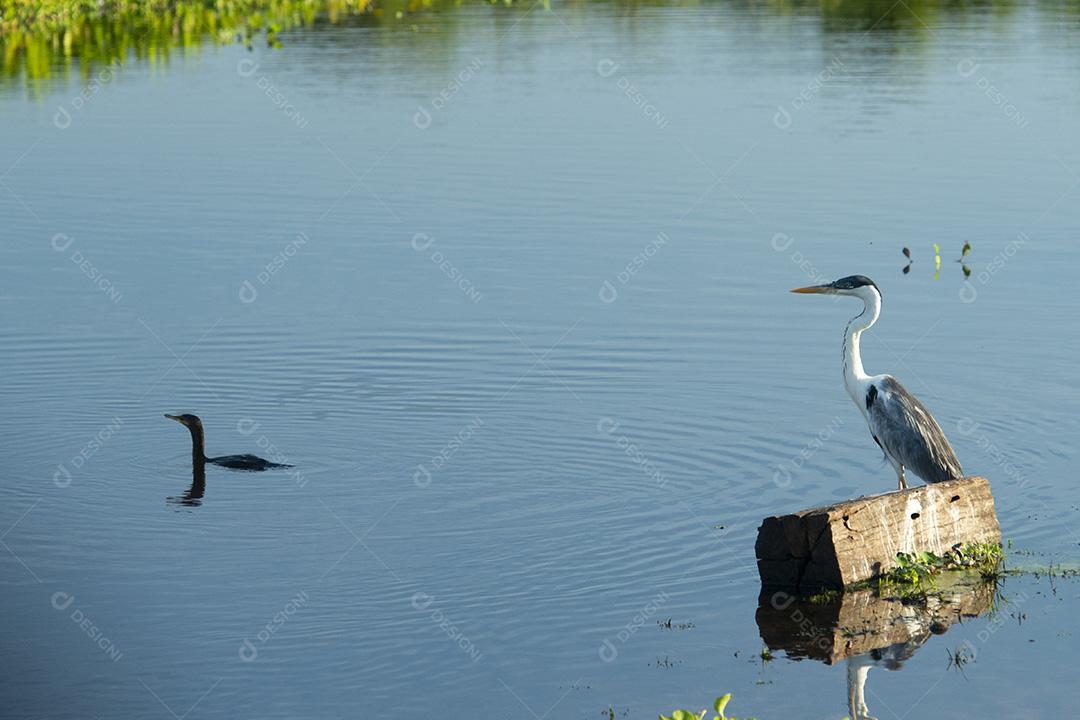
(718, 706)
(38, 35)
(913, 570)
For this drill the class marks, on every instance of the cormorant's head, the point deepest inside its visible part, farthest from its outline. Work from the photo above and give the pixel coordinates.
(188, 421)
(857, 285)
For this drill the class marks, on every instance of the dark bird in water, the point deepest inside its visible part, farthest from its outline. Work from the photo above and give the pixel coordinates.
(233, 462)
(901, 425)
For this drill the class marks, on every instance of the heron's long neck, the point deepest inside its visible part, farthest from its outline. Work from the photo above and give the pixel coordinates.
(854, 375)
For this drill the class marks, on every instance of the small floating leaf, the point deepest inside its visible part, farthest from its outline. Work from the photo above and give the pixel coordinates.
(907, 253)
(721, 703)
(966, 250)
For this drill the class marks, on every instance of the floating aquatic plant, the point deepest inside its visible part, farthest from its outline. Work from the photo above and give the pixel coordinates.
(914, 570)
(718, 706)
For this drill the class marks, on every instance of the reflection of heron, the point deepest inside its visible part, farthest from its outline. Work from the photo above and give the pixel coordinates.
(920, 623)
(857, 668)
(864, 629)
(901, 425)
(890, 658)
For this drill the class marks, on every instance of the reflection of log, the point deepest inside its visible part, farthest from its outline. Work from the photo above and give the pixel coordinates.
(858, 622)
(852, 541)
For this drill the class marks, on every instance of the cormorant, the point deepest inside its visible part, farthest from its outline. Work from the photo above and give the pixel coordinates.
(233, 462)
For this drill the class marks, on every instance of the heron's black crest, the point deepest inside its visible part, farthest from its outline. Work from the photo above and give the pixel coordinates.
(853, 281)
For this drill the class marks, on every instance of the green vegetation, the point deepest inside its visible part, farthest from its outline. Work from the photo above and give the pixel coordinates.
(40, 39)
(824, 597)
(36, 34)
(1048, 571)
(718, 706)
(914, 572)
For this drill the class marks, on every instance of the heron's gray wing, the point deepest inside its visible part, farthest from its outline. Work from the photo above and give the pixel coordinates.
(908, 432)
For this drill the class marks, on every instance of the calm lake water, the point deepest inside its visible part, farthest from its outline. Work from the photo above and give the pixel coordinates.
(451, 268)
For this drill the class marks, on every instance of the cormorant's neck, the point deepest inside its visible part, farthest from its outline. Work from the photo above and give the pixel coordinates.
(194, 494)
(198, 448)
(854, 375)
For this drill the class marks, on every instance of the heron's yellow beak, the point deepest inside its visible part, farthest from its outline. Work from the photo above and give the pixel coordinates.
(813, 289)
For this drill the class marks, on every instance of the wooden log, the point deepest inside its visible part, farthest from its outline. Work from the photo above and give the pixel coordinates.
(852, 541)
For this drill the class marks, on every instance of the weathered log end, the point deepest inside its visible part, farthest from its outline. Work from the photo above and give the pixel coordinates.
(852, 541)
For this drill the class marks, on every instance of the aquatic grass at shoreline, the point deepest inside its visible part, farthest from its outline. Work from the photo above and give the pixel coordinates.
(38, 38)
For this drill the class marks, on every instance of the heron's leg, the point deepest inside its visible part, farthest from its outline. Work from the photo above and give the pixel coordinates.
(901, 483)
(856, 673)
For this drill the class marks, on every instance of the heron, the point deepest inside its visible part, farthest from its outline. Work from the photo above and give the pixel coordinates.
(902, 427)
